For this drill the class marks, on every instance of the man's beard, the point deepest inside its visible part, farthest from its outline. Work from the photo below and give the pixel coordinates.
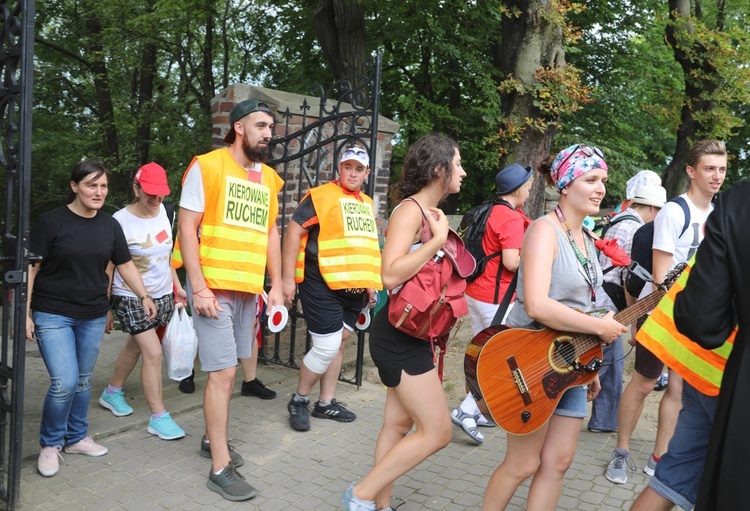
(254, 154)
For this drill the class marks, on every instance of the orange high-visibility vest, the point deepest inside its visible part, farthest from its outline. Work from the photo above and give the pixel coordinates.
(238, 216)
(348, 247)
(701, 368)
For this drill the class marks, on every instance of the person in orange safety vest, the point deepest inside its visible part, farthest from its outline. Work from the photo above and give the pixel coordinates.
(226, 239)
(331, 251)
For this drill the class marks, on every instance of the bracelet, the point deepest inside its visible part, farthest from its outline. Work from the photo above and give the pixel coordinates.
(200, 290)
(202, 296)
(147, 296)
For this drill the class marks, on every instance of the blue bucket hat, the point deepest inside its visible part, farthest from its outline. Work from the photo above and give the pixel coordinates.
(511, 178)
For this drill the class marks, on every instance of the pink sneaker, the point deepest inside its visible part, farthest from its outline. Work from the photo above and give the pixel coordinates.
(88, 447)
(49, 460)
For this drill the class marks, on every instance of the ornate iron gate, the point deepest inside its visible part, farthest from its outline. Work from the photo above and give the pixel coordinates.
(347, 116)
(16, 61)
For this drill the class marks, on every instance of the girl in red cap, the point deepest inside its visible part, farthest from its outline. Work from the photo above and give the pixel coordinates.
(149, 234)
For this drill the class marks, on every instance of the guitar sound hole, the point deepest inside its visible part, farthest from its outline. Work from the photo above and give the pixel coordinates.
(562, 355)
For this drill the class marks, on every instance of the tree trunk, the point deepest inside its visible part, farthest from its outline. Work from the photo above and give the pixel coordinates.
(340, 25)
(105, 109)
(529, 43)
(145, 98)
(699, 87)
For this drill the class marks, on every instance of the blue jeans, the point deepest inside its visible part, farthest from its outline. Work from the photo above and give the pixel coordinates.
(680, 470)
(69, 348)
(604, 408)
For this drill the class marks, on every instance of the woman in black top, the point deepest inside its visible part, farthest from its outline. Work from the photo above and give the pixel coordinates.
(415, 398)
(68, 306)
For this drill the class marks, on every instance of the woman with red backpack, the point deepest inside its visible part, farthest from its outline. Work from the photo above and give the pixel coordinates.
(432, 170)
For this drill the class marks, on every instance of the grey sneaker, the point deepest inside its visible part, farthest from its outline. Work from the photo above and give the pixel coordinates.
(230, 484)
(650, 467)
(237, 459)
(299, 415)
(617, 470)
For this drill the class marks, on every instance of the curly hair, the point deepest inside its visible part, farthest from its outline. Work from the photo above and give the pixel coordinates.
(425, 158)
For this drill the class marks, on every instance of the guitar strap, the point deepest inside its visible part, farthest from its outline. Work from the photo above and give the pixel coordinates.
(503, 308)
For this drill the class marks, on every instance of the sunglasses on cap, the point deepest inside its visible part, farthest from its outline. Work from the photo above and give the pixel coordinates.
(588, 150)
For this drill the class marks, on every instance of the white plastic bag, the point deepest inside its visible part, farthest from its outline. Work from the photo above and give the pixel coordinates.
(180, 345)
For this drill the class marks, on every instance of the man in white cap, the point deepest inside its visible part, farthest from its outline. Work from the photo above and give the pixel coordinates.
(331, 250)
(644, 205)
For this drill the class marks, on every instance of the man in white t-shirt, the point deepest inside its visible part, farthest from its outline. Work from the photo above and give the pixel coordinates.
(227, 239)
(676, 238)
(707, 167)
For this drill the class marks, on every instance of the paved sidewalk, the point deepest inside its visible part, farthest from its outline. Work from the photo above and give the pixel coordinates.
(291, 470)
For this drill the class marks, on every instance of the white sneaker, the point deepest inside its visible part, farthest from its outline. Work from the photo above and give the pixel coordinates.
(49, 460)
(88, 447)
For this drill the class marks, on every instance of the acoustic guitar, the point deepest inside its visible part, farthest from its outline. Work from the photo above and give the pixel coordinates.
(521, 373)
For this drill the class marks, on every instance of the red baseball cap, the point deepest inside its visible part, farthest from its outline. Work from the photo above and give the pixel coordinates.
(153, 179)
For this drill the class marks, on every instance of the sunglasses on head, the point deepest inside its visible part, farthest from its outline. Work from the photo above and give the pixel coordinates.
(355, 150)
(588, 150)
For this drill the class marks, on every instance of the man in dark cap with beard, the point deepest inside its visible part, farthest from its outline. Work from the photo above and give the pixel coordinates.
(229, 196)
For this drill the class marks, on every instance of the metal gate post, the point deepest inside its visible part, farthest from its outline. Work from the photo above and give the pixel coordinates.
(16, 63)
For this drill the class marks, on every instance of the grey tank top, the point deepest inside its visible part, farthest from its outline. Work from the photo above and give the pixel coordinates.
(569, 284)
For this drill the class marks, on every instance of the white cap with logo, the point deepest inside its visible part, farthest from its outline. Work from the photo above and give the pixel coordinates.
(356, 153)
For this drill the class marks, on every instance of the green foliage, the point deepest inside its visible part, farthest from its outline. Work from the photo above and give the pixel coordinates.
(637, 95)
(622, 91)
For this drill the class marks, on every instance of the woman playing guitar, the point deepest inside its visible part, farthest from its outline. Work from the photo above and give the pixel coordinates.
(559, 276)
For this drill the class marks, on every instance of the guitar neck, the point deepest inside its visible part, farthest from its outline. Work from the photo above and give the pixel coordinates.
(626, 316)
(639, 308)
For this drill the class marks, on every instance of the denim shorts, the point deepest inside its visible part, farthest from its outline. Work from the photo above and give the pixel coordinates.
(680, 470)
(133, 317)
(573, 403)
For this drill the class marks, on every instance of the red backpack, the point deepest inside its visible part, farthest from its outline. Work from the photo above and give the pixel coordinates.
(428, 305)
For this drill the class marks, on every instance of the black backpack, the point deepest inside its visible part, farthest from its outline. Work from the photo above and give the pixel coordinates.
(472, 228)
(642, 249)
(169, 208)
(604, 225)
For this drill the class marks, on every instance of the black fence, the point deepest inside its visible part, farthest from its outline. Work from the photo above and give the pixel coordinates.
(306, 153)
(16, 61)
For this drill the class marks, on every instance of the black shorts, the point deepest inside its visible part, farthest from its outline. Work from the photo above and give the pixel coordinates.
(327, 311)
(132, 314)
(646, 363)
(393, 351)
